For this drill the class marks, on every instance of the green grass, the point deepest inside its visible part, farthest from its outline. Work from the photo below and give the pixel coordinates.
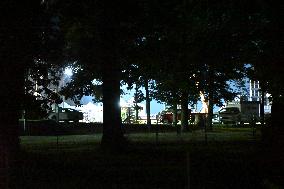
(45, 143)
(231, 158)
(53, 143)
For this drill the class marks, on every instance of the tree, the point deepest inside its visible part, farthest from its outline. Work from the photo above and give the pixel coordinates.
(226, 28)
(98, 35)
(144, 62)
(264, 52)
(25, 31)
(166, 90)
(196, 50)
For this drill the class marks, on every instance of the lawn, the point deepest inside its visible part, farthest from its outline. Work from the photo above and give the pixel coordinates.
(224, 158)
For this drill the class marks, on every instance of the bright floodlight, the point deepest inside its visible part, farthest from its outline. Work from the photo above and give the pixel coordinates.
(68, 71)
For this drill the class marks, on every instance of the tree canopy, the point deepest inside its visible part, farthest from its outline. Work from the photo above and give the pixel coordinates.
(183, 47)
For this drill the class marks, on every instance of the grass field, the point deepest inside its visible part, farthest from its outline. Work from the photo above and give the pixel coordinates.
(223, 158)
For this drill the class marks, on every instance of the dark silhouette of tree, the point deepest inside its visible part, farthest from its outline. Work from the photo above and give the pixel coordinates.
(199, 45)
(264, 52)
(224, 35)
(174, 84)
(144, 62)
(199, 41)
(98, 35)
(25, 37)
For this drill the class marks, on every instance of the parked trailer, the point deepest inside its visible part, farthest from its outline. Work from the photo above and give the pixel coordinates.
(240, 112)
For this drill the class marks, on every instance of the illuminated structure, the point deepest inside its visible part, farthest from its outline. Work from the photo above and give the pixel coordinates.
(254, 91)
(255, 95)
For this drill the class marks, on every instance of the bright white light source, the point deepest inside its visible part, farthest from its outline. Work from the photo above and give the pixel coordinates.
(68, 71)
(97, 82)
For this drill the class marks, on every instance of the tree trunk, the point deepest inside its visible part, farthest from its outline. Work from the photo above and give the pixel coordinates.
(210, 113)
(113, 138)
(112, 126)
(136, 104)
(148, 105)
(175, 119)
(136, 112)
(277, 111)
(275, 133)
(262, 107)
(10, 95)
(210, 98)
(184, 111)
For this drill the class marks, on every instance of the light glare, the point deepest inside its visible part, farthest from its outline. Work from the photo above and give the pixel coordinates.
(68, 71)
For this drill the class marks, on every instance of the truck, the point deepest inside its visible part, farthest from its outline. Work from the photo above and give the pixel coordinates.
(239, 112)
(66, 114)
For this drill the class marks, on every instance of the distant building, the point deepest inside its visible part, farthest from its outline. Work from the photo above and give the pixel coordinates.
(254, 91)
(255, 95)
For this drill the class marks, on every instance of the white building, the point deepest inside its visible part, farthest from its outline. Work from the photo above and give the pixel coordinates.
(93, 112)
(255, 95)
(254, 91)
